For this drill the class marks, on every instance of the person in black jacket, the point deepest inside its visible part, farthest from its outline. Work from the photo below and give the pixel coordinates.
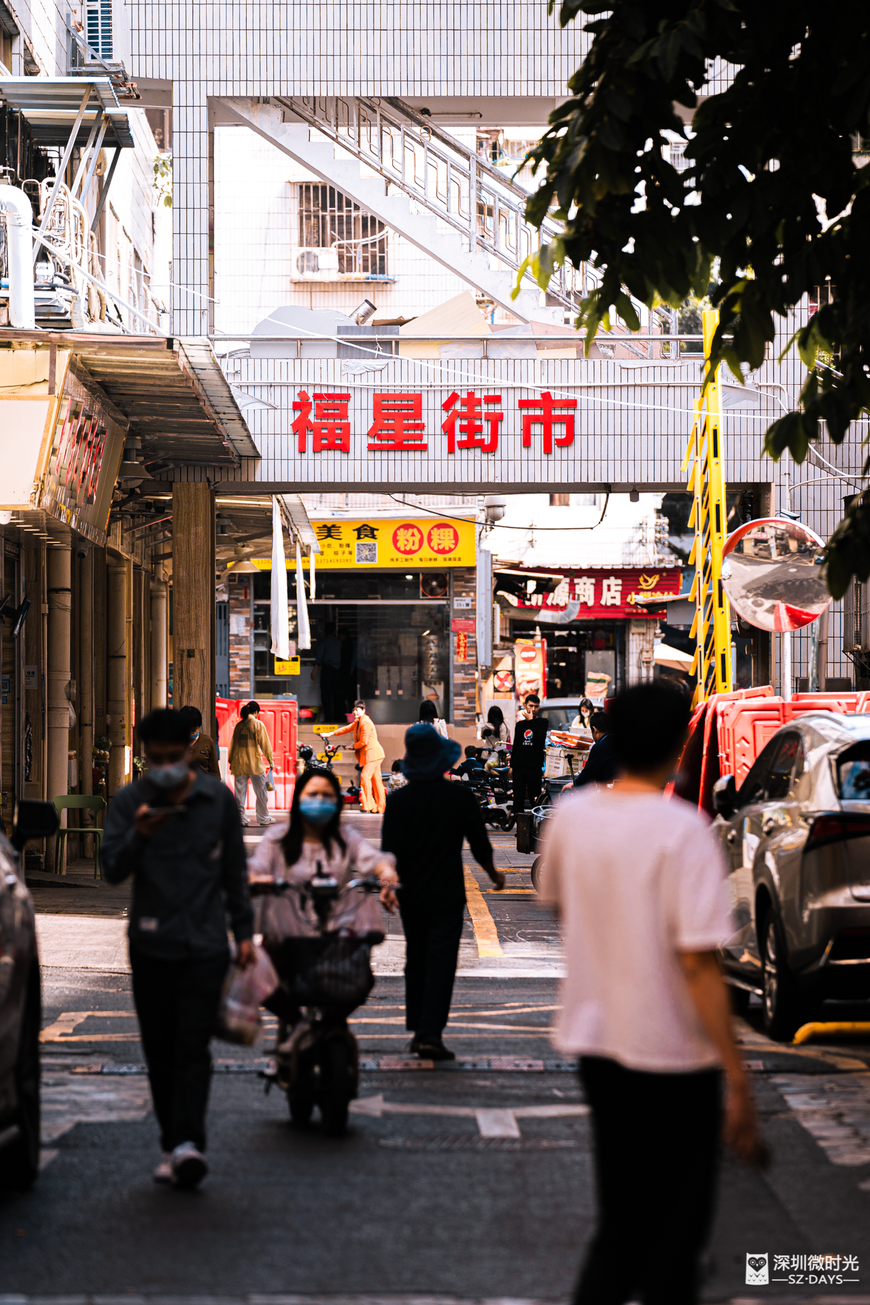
(425, 824)
(178, 832)
(527, 753)
(601, 764)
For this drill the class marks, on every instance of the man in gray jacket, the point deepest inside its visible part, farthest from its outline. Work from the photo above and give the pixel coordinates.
(178, 832)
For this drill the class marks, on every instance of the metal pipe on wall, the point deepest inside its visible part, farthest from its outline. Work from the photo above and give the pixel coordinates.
(86, 685)
(822, 649)
(118, 672)
(58, 566)
(159, 659)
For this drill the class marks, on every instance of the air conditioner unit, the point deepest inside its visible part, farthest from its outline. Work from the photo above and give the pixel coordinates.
(316, 265)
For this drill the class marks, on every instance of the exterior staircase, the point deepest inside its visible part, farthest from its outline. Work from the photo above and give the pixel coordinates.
(417, 179)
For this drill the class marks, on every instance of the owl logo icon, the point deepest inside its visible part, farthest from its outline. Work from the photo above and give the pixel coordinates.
(757, 1271)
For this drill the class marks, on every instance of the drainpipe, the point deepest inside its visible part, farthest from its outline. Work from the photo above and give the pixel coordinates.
(59, 614)
(117, 672)
(86, 687)
(19, 230)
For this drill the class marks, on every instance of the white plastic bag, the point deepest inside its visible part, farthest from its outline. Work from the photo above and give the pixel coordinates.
(238, 1016)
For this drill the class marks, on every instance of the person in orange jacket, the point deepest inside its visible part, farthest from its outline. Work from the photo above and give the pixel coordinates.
(369, 755)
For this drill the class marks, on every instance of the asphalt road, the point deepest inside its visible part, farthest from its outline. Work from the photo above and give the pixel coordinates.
(426, 1197)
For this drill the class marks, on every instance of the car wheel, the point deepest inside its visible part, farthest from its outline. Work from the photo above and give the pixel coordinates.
(19, 1161)
(781, 1002)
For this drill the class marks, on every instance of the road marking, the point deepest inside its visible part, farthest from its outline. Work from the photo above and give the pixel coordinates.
(69, 1101)
(66, 1023)
(834, 1111)
(485, 932)
(490, 1122)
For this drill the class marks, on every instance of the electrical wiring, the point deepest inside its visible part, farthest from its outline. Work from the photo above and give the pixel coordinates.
(496, 525)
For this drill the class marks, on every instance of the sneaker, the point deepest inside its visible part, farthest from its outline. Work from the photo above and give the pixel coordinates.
(433, 1050)
(245, 822)
(291, 1043)
(414, 1044)
(163, 1172)
(270, 820)
(189, 1165)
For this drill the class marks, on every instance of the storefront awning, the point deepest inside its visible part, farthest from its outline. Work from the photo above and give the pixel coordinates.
(52, 105)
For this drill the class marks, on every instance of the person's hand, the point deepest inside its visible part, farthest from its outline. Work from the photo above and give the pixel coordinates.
(148, 821)
(499, 878)
(245, 955)
(313, 672)
(389, 883)
(741, 1124)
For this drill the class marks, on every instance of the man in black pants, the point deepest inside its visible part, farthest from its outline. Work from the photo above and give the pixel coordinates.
(178, 832)
(639, 886)
(425, 825)
(527, 753)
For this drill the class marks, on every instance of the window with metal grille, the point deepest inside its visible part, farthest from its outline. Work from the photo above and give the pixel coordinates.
(328, 219)
(99, 27)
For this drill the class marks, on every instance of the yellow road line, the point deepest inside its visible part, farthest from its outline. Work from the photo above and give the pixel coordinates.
(485, 932)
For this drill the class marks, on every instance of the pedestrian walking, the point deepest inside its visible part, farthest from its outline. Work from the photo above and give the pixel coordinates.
(328, 660)
(314, 842)
(177, 832)
(369, 755)
(249, 745)
(425, 826)
(639, 886)
(205, 754)
(527, 753)
(429, 716)
(601, 764)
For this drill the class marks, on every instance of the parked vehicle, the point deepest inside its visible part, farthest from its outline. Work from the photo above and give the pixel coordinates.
(311, 761)
(530, 824)
(796, 835)
(20, 1002)
(329, 975)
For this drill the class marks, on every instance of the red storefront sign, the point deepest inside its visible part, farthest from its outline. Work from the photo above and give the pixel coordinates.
(462, 625)
(472, 421)
(605, 594)
(461, 646)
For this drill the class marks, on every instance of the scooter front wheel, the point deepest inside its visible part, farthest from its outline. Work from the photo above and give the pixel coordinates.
(337, 1076)
(301, 1107)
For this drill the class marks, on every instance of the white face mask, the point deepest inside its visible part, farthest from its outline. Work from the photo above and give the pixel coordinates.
(168, 777)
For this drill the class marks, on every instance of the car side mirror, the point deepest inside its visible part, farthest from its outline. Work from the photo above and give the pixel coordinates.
(33, 820)
(725, 797)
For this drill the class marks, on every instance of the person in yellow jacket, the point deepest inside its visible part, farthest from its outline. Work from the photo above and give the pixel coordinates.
(369, 755)
(250, 743)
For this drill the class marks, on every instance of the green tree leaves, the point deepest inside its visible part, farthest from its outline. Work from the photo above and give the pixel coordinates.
(782, 93)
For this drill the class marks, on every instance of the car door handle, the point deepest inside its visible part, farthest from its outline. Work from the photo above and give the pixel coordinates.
(731, 836)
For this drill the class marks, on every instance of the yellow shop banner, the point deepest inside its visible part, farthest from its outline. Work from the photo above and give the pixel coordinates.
(410, 542)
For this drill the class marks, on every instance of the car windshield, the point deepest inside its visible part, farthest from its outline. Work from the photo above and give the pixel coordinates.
(560, 718)
(853, 775)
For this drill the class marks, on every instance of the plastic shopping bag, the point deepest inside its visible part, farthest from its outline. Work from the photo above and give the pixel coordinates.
(238, 1016)
(270, 780)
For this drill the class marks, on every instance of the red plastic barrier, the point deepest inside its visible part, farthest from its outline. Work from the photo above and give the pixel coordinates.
(281, 720)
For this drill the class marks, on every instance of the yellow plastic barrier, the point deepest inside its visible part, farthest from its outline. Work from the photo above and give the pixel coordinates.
(833, 1030)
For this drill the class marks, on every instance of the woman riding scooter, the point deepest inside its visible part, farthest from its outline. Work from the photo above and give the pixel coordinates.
(314, 922)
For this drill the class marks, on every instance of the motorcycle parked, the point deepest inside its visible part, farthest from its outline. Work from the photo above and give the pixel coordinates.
(313, 763)
(329, 975)
(540, 814)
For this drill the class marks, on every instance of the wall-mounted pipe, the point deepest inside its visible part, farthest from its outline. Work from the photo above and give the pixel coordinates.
(19, 230)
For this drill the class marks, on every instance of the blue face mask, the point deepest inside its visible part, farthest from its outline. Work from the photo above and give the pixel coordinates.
(195, 736)
(317, 809)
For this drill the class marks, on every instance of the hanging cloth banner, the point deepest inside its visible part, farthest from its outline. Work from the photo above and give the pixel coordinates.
(303, 634)
(280, 613)
(312, 578)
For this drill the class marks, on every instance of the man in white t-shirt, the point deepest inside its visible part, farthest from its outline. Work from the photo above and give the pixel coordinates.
(639, 886)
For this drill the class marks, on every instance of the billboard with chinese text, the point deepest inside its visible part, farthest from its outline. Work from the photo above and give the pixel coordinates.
(395, 543)
(604, 594)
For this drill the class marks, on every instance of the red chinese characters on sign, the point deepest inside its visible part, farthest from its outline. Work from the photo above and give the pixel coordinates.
(398, 423)
(329, 425)
(545, 412)
(407, 539)
(469, 414)
(623, 592)
(461, 646)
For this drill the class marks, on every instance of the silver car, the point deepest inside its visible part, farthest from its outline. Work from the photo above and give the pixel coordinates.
(797, 839)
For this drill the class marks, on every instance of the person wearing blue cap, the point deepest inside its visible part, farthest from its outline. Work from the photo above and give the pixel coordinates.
(425, 825)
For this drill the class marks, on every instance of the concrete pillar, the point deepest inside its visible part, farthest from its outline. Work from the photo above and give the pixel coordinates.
(159, 609)
(86, 685)
(193, 612)
(58, 667)
(119, 595)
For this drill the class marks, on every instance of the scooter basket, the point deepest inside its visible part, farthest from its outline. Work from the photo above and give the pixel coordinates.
(326, 971)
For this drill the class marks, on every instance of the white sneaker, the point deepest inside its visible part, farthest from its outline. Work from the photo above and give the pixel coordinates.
(245, 822)
(189, 1165)
(270, 820)
(163, 1172)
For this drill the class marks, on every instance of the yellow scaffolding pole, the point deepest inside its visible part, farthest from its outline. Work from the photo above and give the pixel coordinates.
(711, 627)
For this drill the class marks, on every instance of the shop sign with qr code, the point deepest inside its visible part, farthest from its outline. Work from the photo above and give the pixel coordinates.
(406, 544)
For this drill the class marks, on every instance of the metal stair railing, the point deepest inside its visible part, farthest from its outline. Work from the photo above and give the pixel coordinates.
(440, 174)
